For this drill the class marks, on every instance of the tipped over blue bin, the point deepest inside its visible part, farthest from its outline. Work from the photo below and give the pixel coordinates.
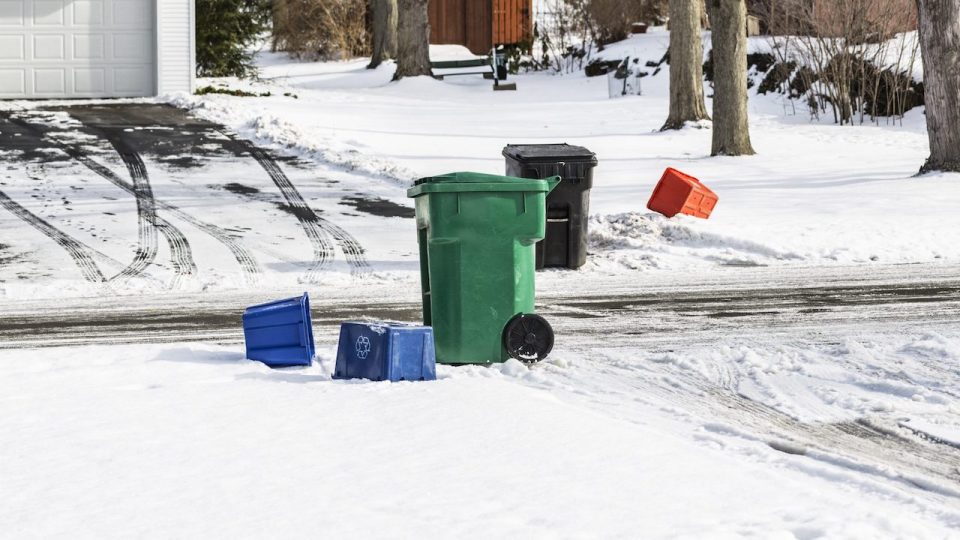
(385, 352)
(280, 333)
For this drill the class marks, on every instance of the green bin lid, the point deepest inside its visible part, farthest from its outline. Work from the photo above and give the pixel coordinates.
(469, 181)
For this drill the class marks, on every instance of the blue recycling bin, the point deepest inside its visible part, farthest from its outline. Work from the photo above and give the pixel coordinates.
(280, 333)
(385, 352)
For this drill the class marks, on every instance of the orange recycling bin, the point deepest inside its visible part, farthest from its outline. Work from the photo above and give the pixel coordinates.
(679, 193)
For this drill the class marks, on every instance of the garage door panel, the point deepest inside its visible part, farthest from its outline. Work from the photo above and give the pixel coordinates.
(77, 48)
(88, 13)
(48, 13)
(89, 81)
(50, 82)
(132, 47)
(11, 13)
(13, 81)
(130, 14)
(132, 80)
(49, 47)
(89, 47)
(12, 48)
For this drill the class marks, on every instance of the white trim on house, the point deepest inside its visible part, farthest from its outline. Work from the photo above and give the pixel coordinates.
(193, 46)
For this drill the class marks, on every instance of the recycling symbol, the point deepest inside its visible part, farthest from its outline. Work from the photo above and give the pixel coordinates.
(363, 347)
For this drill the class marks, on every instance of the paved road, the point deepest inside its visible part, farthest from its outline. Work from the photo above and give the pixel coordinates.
(819, 304)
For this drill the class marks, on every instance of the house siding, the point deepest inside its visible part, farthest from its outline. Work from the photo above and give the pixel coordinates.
(175, 46)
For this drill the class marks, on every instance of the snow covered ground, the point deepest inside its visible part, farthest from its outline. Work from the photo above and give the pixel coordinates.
(832, 421)
(838, 424)
(815, 193)
(193, 441)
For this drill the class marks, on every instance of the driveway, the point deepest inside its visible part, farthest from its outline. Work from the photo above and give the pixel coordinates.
(145, 195)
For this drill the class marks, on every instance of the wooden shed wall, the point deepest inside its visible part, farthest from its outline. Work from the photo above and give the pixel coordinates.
(461, 22)
(512, 21)
(479, 24)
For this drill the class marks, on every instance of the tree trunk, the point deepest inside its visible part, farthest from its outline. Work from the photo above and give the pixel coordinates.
(940, 46)
(731, 131)
(281, 24)
(686, 65)
(413, 39)
(384, 31)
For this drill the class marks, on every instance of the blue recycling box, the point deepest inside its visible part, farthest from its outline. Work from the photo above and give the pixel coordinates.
(280, 333)
(385, 352)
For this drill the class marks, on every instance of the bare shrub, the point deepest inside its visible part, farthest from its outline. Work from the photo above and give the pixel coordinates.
(881, 19)
(654, 11)
(854, 62)
(612, 19)
(320, 29)
(564, 37)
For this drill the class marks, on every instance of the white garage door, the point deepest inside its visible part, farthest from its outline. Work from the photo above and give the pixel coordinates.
(76, 48)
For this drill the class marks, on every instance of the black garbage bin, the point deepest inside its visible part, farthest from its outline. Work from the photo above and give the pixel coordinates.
(568, 205)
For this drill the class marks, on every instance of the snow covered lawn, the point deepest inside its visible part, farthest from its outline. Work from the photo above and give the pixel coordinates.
(190, 441)
(815, 193)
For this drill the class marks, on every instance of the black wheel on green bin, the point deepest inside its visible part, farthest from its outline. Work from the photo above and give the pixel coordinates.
(528, 338)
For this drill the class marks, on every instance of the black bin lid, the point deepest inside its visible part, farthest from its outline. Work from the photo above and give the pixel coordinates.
(526, 153)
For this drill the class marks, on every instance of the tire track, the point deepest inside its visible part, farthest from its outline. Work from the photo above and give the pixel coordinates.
(309, 221)
(146, 212)
(859, 446)
(249, 266)
(146, 251)
(80, 253)
(316, 228)
(181, 256)
(354, 252)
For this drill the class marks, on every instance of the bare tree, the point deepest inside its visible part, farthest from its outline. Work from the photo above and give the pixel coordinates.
(413, 39)
(940, 47)
(731, 130)
(280, 20)
(384, 31)
(686, 65)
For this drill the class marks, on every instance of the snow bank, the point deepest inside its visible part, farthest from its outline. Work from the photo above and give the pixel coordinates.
(277, 133)
(648, 241)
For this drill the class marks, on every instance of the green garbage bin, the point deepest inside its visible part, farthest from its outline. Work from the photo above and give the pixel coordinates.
(477, 235)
